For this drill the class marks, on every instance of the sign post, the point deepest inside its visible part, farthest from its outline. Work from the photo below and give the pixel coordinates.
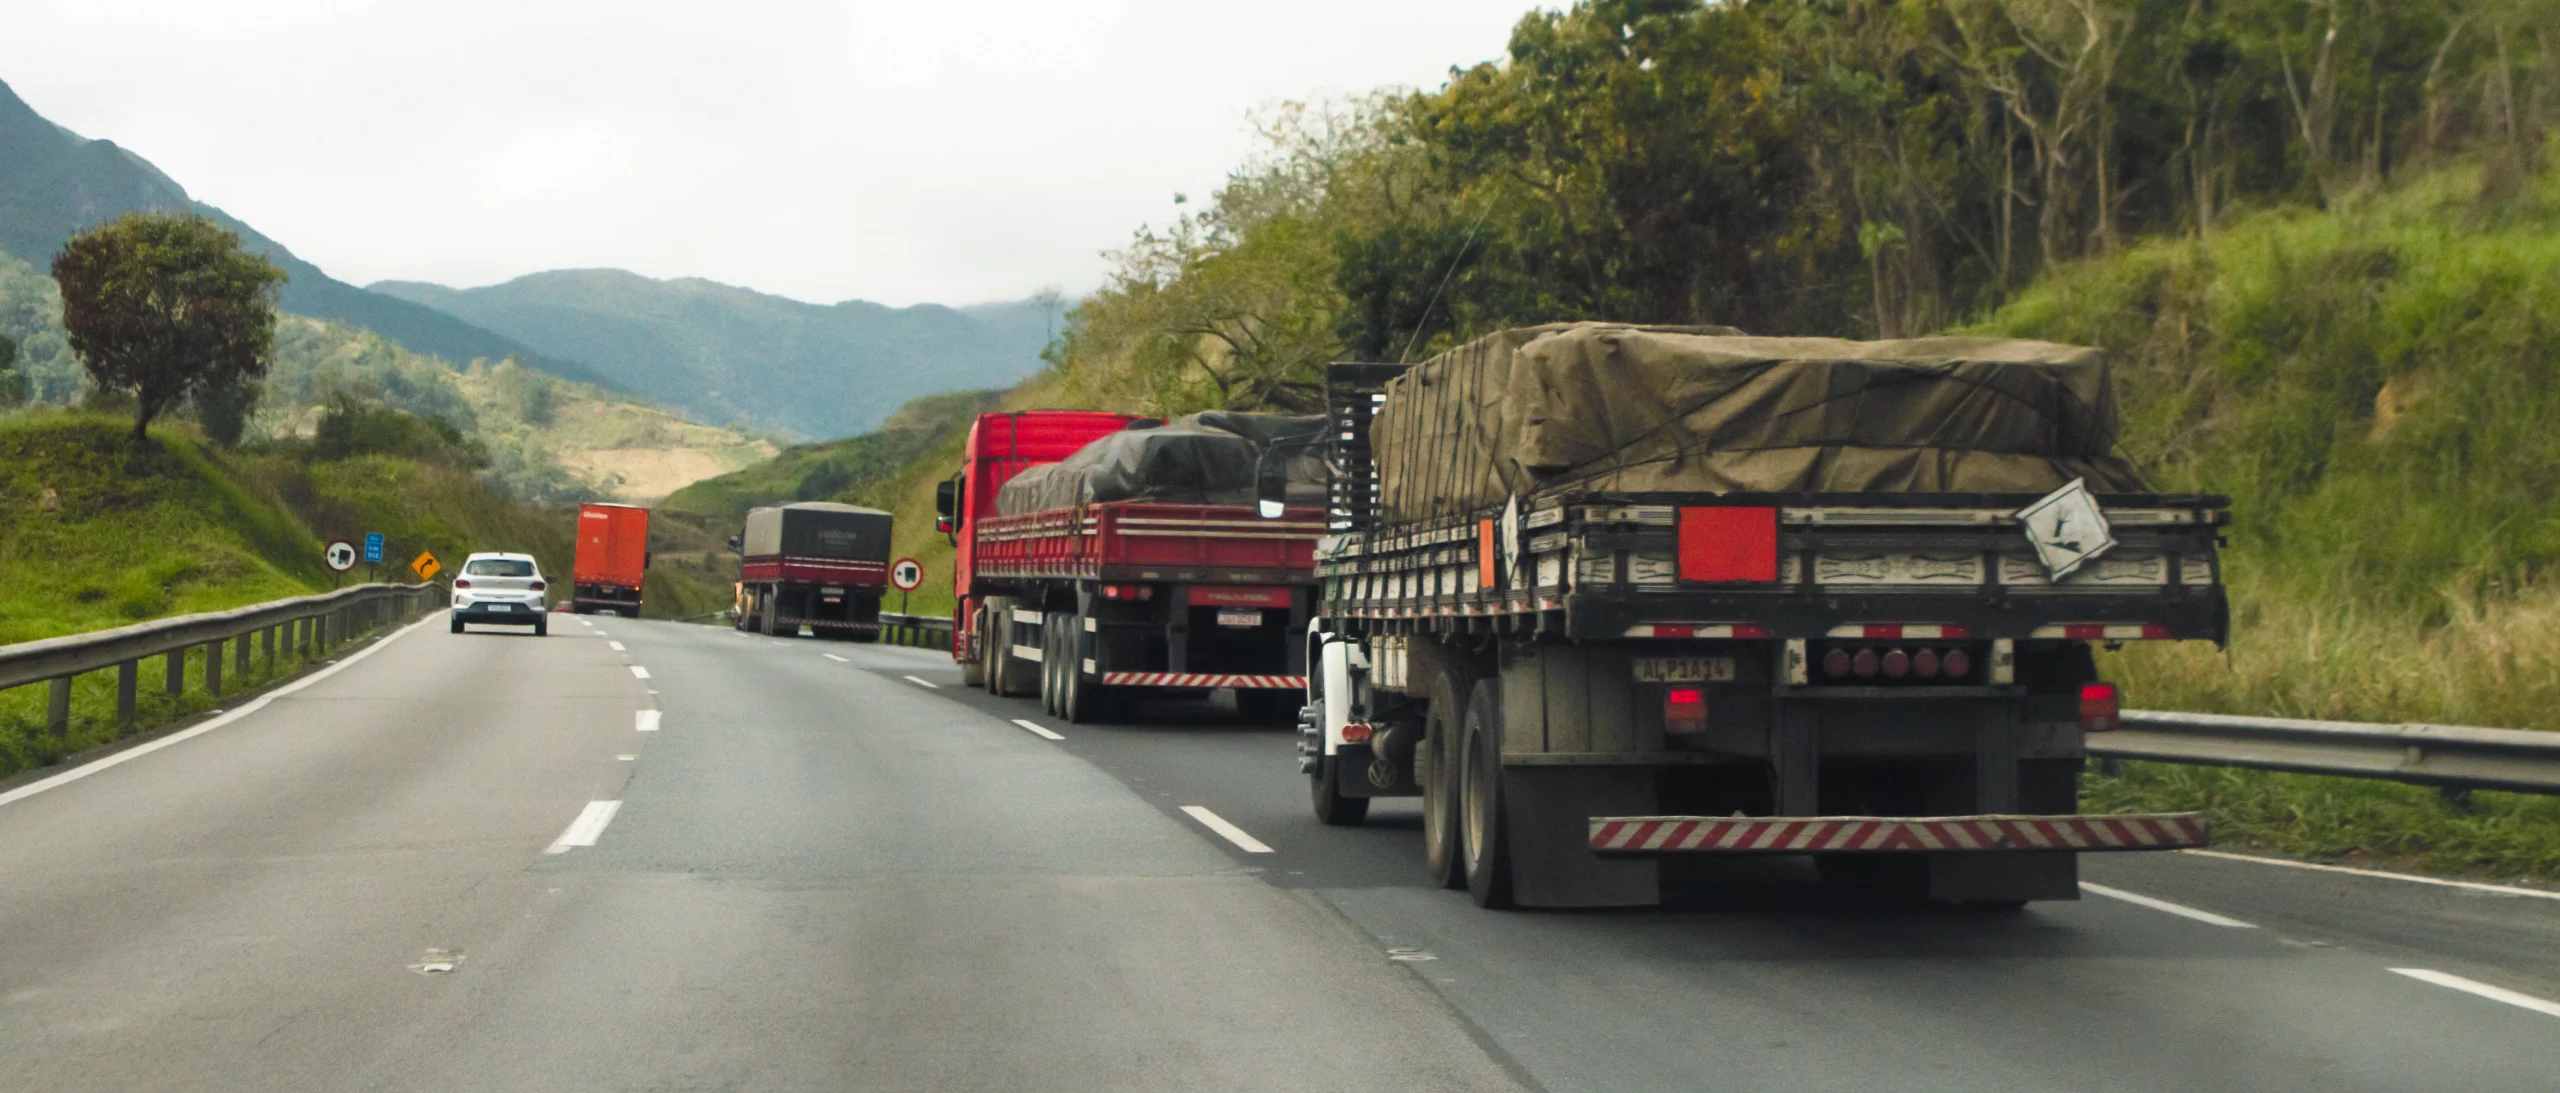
(339, 557)
(906, 573)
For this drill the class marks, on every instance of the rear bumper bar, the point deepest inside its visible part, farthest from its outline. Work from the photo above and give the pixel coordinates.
(1195, 679)
(1888, 834)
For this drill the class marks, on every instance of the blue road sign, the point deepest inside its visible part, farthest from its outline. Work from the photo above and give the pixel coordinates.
(373, 546)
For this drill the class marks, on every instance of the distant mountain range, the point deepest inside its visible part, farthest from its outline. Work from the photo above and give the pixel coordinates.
(54, 182)
(718, 353)
(732, 355)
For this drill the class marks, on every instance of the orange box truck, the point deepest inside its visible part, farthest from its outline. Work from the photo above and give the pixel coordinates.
(613, 558)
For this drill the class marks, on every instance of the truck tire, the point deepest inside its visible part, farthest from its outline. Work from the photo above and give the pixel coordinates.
(1009, 676)
(1053, 663)
(1437, 756)
(1484, 834)
(973, 673)
(769, 614)
(1333, 809)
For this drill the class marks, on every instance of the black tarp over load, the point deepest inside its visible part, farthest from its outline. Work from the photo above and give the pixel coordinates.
(1205, 458)
(1613, 407)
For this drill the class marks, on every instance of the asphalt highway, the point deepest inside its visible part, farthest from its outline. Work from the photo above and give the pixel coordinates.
(643, 856)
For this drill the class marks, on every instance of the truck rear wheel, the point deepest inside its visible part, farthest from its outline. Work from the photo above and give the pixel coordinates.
(1437, 757)
(1333, 809)
(1008, 676)
(770, 617)
(973, 673)
(1485, 833)
(1053, 682)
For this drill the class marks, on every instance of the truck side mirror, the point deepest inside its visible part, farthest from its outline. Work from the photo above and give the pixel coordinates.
(1271, 483)
(946, 498)
(735, 547)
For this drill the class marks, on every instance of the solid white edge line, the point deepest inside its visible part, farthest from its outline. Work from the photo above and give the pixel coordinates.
(835, 658)
(587, 828)
(921, 683)
(617, 647)
(1225, 830)
(646, 720)
(259, 703)
(638, 672)
(2473, 986)
(1041, 731)
(2476, 886)
(2181, 910)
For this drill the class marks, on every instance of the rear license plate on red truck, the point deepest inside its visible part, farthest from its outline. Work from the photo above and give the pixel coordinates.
(1684, 669)
(1233, 617)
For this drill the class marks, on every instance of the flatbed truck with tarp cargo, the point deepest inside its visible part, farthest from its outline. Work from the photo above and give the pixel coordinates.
(1102, 558)
(1611, 599)
(813, 564)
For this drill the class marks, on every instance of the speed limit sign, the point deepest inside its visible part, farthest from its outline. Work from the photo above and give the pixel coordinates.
(906, 574)
(341, 556)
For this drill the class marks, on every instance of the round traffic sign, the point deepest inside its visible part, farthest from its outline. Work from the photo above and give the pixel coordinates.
(340, 556)
(906, 574)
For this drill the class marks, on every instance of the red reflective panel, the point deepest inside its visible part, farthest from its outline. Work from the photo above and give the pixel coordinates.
(1728, 543)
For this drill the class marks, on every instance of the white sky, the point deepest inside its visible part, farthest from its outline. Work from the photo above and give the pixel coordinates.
(899, 152)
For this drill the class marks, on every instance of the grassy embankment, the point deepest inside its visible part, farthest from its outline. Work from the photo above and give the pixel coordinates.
(2373, 386)
(95, 534)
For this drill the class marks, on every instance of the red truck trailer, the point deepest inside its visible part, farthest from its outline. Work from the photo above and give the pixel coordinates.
(816, 564)
(612, 561)
(1096, 602)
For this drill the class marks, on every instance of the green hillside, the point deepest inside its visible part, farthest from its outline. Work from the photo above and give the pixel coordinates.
(732, 355)
(838, 469)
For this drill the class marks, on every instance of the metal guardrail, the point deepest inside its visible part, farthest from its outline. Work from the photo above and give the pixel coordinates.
(303, 624)
(2454, 758)
(920, 631)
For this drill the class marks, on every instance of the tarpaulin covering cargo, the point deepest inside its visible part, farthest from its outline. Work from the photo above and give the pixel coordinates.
(817, 529)
(1613, 407)
(1206, 458)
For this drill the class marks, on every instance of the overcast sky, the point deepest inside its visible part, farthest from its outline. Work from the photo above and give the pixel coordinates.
(821, 149)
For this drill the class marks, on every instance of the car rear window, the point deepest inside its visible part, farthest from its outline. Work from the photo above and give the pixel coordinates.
(499, 567)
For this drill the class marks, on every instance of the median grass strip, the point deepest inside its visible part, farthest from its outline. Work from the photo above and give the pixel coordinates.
(2355, 821)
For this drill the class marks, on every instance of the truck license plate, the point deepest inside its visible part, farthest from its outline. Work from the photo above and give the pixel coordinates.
(1684, 669)
(1235, 617)
(831, 591)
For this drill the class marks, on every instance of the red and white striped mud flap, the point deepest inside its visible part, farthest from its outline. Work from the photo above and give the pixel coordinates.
(1195, 679)
(1871, 834)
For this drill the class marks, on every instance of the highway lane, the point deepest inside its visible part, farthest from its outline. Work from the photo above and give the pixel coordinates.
(1757, 979)
(811, 878)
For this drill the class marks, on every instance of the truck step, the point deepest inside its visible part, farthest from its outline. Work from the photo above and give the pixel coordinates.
(1879, 834)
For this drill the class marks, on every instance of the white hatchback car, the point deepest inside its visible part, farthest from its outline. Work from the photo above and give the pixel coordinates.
(501, 588)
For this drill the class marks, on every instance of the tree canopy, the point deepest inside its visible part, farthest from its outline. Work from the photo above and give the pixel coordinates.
(160, 305)
(1839, 167)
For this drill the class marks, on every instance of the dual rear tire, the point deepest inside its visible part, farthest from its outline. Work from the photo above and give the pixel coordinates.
(1466, 839)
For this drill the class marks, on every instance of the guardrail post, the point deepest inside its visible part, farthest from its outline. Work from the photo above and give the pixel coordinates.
(213, 668)
(267, 638)
(57, 706)
(240, 658)
(128, 674)
(177, 659)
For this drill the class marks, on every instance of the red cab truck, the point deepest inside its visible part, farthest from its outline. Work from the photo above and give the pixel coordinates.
(816, 564)
(1092, 603)
(612, 561)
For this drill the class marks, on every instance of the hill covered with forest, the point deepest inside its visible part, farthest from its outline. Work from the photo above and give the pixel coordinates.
(733, 355)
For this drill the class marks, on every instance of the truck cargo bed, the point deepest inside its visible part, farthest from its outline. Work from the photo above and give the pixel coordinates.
(1146, 541)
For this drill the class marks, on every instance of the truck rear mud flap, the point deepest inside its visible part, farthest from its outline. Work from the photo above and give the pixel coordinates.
(1891, 834)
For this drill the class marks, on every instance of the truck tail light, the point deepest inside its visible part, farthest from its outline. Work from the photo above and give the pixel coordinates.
(1956, 664)
(1925, 663)
(1128, 592)
(2100, 707)
(1354, 733)
(1684, 711)
(1835, 663)
(1897, 664)
(1864, 664)
(459, 582)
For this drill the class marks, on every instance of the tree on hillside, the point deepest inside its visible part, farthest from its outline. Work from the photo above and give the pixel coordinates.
(159, 305)
(13, 387)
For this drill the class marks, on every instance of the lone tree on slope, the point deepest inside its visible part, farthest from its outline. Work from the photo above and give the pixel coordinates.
(162, 304)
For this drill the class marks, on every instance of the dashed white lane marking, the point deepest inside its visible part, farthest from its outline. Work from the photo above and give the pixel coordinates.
(587, 828)
(639, 672)
(617, 646)
(254, 705)
(2180, 910)
(1225, 830)
(627, 758)
(2500, 889)
(921, 683)
(1036, 729)
(2473, 986)
(646, 720)
(835, 658)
